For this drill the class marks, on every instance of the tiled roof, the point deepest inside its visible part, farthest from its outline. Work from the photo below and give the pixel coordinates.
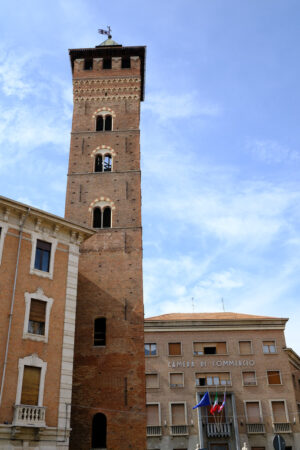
(208, 316)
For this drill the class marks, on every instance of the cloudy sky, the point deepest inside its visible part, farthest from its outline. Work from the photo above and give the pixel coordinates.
(220, 139)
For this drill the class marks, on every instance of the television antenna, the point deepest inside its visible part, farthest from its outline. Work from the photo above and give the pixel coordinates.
(107, 32)
(222, 300)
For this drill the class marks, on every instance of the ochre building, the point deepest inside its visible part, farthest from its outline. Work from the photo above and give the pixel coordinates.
(39, 255)
(104, 192)
(239, 358)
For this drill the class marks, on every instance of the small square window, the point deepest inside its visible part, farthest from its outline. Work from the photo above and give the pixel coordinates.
(126, 62)
(269, 347)
(106, 63)
(245, 347)
(274, 377)
(249, 378)
(176, 380)
(150, 349)
(88, 64)
(152, 381)
(42, 255)
(174, 348)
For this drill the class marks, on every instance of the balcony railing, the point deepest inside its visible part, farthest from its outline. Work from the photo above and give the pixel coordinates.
(153, 431)
(29, 416)
(179, 430)
(218, 429)
(284, 427)
(255, 428)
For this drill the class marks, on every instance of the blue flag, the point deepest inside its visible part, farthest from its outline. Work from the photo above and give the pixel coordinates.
(205, 401)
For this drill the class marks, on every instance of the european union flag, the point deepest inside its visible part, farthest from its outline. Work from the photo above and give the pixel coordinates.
(205, 401)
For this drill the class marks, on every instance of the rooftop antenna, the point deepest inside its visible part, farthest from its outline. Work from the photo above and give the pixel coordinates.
(193, 305)
(222, 300)
(107, 32)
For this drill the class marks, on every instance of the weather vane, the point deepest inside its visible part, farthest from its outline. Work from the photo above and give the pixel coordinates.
(108, 31)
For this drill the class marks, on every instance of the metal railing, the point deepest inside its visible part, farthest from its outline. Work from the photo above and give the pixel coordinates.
(284, 427)
(29, 416)
(255, 428)
(218, 429)
(153, 430)
(179, 430)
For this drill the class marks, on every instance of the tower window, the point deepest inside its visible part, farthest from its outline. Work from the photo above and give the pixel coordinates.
(107, 63)
(88, 64)
(98, 163)
(107, 163)
(126, 62)
(103, 164)
(102, 217)
(100, 332)
(104, 123)
(99, 431)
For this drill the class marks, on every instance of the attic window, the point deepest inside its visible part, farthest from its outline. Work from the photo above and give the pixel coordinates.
(106, 63)
(126, 62)
(88, 64)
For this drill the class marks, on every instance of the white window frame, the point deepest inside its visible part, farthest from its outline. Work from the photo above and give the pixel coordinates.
(249, 385)
(42, 237)
(38, 295)
(285, 408)
(251, 343)
(172, 356)
(214, 375)
(176, 373)
(4, 228)
(153, 373)
(208, 354)
(185, 411)
(268, 340)
(33, 361)
(259, 405)
(273, 384)
(159, 411)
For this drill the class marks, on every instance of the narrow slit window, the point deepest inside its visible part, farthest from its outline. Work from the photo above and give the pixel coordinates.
(100, 332)
(97, 218)
(107, 217)
(98, 163)
(108, 123)
(99, 432)
(42, 256)
(99, 123)
(37, 317)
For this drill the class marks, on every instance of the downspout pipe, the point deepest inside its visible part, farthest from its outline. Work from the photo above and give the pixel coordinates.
(12, 304)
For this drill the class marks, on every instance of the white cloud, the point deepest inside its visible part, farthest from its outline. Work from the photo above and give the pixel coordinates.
(270, 151)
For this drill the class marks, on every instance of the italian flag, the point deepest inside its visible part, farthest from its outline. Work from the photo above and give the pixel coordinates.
(214, 407)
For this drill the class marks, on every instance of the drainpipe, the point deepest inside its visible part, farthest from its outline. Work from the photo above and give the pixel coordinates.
(12, 304)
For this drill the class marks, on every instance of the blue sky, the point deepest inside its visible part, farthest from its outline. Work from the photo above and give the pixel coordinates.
(220, 139)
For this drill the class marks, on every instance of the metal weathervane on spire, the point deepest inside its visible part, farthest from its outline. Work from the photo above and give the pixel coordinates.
(107, 32)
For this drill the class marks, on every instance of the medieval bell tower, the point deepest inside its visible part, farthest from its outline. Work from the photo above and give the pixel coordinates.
(104, 192)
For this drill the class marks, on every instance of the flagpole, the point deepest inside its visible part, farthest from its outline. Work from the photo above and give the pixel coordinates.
(200, 429)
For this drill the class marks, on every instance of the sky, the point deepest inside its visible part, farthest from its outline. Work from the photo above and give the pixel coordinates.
(219, 140)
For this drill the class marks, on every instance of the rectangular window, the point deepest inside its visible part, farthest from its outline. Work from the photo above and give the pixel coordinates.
(249, 378)
(174, 348)
(37, 317)
(213, 379)
(152, 380)
(253, 412)
(279, 413)
(176, 380)
(31, 385)
(209, 348)
(178, 414)
(42, 255)
(150, 349)
(106, 63)
(274, 377)
(245, 347)
(126, 62)
(269, 347)
(100, 332)
(153, 415)
(88, 64)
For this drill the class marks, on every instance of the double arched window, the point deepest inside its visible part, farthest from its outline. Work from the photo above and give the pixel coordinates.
(104, 122)
(102, 217)
(103, 163)
(99, 431)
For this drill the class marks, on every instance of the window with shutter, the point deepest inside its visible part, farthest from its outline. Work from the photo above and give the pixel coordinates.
(151, 380)
(152, 415)
(274, 377)
(253, 412)
(178, 414)
(174, 348)
(249, 378)
(31, 385)
(279, 414)
(176, 380)
(209, 348)
(37, 317)
(245, 347)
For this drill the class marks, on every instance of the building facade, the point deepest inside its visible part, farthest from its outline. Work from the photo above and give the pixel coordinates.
(237, 358)
(104, 192)
(39, 255)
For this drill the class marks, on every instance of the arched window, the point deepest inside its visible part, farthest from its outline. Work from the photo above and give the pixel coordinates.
(104, 123)
(100, 332)
(107, 217)
(102, 217)
(99, 431)
(97, 218)
(98, 163)
(107, 163)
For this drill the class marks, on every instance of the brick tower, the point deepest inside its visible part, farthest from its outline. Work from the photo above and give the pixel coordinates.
(104, 192)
